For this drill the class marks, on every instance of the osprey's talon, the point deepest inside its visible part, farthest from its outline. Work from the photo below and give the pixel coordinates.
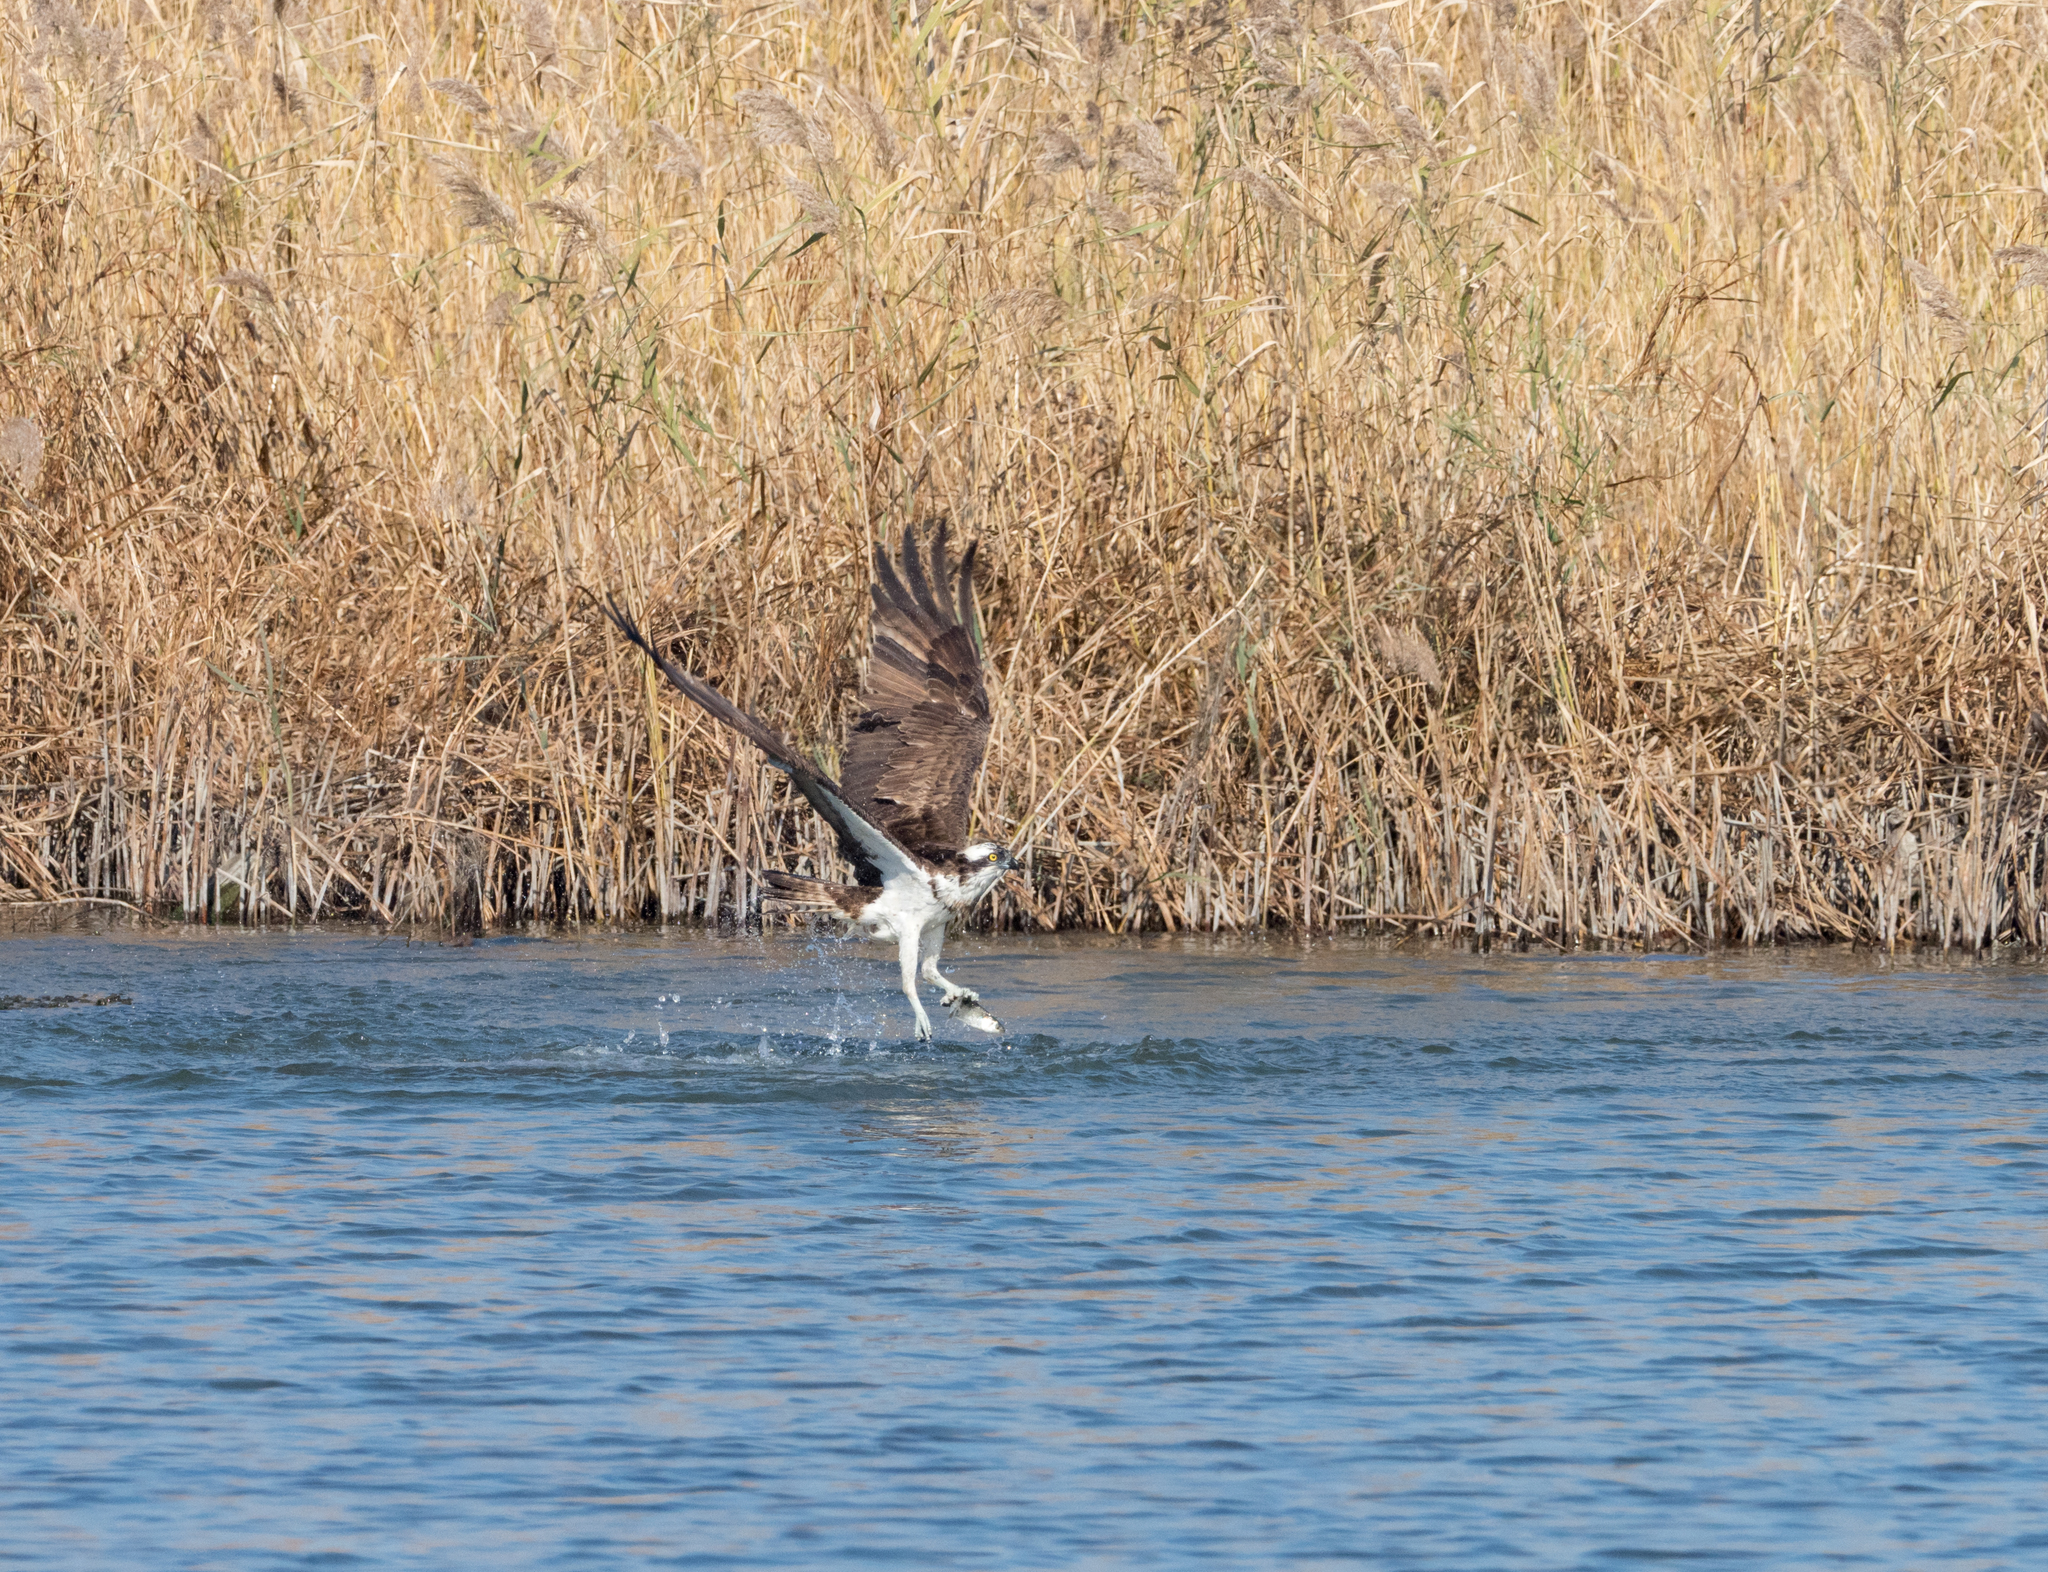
(960, 996)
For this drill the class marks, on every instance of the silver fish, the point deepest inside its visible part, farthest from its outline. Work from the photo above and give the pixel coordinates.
(968, 1011)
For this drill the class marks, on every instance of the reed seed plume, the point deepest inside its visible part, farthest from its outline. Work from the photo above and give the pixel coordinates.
(21, 451)
(1536, 89)
(819, 211)
(1353, 131)
(203, 146)
(883, 145)
(1353, 60)
(537, 25)
(465, 94)
(1262, 188)
(1417, 135)
(1406, 651)
(1536, 473)
(36, 94)
(1059, 151)
(1027, 308)
(1867, 47)
(1573, 41)
(582, 225)
(773, 121)
(291, 98)
(1136, 148)
(93, 59)
(534, 139)
(1272, 22)
(1116, 221)
(1891, 21)
(248, 285)
(1939, 302)
(2031, 263)
(476, 205)
(58, 29)
(679, 155)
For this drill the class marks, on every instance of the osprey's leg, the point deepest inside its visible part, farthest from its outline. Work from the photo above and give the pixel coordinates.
(934, 942)
(906, 956)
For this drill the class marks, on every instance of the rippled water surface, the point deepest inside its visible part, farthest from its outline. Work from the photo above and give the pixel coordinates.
(328, 1250)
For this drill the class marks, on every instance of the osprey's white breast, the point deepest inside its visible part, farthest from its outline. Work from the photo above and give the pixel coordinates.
(915, 900)
(907, 901)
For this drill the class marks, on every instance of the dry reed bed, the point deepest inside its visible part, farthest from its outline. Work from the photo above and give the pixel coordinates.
(1556, 473)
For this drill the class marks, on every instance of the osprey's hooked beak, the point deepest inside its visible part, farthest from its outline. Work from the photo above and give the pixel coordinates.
(1007, 859)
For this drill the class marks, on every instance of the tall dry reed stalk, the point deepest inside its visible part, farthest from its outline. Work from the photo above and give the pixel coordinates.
(1555, 472)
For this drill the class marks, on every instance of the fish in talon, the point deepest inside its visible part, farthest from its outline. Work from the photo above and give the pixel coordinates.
(969, 1012)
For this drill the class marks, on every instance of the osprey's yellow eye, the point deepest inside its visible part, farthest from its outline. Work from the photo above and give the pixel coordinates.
(991, 856)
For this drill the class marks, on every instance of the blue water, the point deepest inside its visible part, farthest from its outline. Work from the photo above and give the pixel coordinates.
(576, 1253)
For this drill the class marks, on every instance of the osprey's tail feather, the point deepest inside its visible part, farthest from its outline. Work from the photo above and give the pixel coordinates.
(849, 899)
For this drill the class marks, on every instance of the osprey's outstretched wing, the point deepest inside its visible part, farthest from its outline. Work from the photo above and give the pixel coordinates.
(862, 841)
(917, 743)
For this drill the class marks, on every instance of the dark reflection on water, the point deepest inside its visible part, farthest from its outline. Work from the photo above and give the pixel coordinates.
(332, 1251)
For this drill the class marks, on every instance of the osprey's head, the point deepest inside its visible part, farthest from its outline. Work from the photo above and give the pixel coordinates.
(985, 862)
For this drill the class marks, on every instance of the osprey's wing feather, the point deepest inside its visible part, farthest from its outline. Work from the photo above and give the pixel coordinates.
(862, 842)
(918, 740)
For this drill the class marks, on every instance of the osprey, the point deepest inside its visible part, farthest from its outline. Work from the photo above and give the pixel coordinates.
(901, 810)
